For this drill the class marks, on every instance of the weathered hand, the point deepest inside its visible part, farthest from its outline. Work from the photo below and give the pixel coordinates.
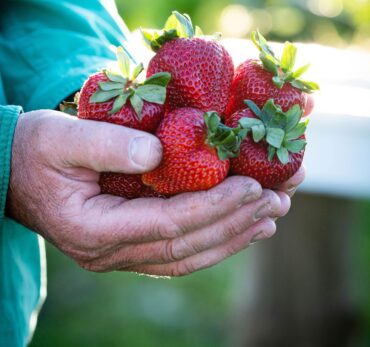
(54, 190)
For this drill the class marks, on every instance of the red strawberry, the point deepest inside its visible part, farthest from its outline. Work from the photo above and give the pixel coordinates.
(269, 78)
(118, 98)
(274, 148)
(201, 69)
(127, 186)
(196, 148)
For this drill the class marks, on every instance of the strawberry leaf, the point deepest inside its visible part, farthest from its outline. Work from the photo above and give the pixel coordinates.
(181, 23)
(248, 123)
(295, 146)
(160, 79)
(123, 62)
(152, 93)
(137, 103)
(254, 108)
(106, 86)
(294, 114)
(297, 132)
(270, 153)
(198, 31)
(275, 137)
(102, 96)
(258, 132)
(283, 155)
(278, 81)
(119, 103)
(114, 76)
(299, 72)
(137, 71)
(288, 57)
(269, 63)
(305, 86)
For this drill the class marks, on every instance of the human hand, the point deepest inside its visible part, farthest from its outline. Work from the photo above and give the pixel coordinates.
(54, 190)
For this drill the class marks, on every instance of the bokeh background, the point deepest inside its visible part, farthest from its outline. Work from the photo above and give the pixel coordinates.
(307, 286)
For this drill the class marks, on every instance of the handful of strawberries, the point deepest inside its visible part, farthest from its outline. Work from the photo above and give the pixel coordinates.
(212, 120)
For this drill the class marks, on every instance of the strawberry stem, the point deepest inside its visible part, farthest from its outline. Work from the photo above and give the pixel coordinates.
(224, 139)
(282, 131)
(282, 69)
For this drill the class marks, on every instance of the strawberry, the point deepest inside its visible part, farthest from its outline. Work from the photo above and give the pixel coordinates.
(196, 148)
(201, 69)
(274, 147)
(127, 186)
(118, 98)
(269, 78)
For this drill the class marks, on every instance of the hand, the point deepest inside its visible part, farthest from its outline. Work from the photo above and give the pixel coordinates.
(54, 190)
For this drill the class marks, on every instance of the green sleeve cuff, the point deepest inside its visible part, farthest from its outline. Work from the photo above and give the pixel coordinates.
(8, 121)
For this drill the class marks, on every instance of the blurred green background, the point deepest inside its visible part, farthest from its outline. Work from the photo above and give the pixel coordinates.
(119, 309)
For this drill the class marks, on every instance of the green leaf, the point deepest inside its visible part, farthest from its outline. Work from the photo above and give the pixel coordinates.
(106, 86)
(261, 43)
(248, 123)
(289, 57)
(212, 121)
(137, 71)
(160, 79)
(147, 36)
(295, 146)
(269, 63)
(258, 132)
(181, 23)
(278, 81)
(254, 108)
(101, 96)
(297, 132)
(119, 103)
(137, 103)
(283, 155)
(270, 153)
(152, 93)
(269, 110)
(123, 62)
(114, 76)
(305, 86)
(294, 114)
(275, 137)
(198, 31)
(299, 72)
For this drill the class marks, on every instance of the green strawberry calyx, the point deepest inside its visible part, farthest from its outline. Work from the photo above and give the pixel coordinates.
(177, 26)
(122, 86)
(282, 131)
(224, 139)
(282, 68)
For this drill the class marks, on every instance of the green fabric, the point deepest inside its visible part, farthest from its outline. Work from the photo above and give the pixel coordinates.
(47, 49)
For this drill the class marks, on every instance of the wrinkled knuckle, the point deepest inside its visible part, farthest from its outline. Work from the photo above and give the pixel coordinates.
(91, 266)
(233, 248)
(182, 269)
(216, 196)
(168, 255)
(169, 227)
(232, 229)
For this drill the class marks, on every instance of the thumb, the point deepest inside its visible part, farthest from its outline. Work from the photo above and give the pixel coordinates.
(108, 147)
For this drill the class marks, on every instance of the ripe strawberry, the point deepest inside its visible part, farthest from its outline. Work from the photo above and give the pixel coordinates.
(274, 148)
(201, 69)
(269, 78)
(196, 148)
(127, 186)
(117, 97)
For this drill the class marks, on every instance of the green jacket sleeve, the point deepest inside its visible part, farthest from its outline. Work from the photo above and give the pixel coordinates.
(48, 48)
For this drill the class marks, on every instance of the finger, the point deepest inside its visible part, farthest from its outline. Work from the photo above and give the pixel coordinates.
(167, 251)
(291, 185)
(143, 220)
(265, 227)
(285, 204)
(103, 146)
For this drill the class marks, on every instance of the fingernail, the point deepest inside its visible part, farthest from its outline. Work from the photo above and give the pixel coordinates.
(263, 211)
(141, 150)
